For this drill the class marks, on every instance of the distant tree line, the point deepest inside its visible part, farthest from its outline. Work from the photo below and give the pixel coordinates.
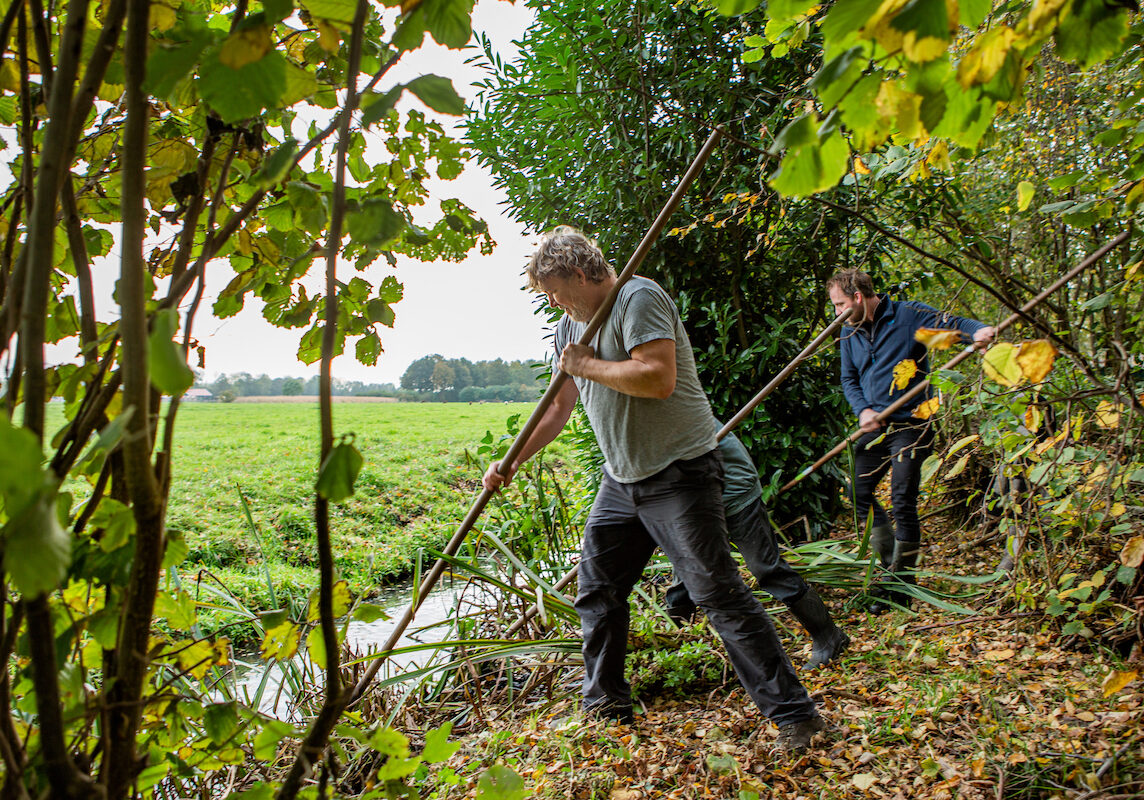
(429, 379)
(445, 379)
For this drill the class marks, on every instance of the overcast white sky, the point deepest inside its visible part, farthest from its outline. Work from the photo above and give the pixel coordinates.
(474, 309)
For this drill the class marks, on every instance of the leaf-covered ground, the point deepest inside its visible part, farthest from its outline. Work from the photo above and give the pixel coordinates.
(924, 705)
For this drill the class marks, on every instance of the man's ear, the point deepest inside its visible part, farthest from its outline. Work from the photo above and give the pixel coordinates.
(581, 278)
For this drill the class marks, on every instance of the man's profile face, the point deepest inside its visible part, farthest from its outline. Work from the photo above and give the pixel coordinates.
(856, 303)
(567, 292)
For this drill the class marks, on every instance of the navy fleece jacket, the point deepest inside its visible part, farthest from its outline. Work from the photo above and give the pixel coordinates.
(870, 352)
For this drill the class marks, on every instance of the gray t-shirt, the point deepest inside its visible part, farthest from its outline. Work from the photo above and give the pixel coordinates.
(640, 436)
(741, 485)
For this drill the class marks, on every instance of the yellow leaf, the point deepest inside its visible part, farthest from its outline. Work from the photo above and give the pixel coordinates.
(928, 408)
(1036, 358)
(245, 244)
(923, 49)
(1000, 364)
(1048, 444)
(281, 642)
(1117, 510)
(1114, 681)
(1107, 414)
(1033, 418)
(329, 39)
(904, 371)
(1000, 655)
(1025, 192)
(9, 76)
(162, 17)
(245, 46)
(986, 56)
(959, 467)
(938, 157)
(1132, 555)
(864, 780)
(195, 657)
(938, 338)
(860, 166)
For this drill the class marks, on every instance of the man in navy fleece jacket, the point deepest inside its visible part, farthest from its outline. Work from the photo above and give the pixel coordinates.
(878, 337)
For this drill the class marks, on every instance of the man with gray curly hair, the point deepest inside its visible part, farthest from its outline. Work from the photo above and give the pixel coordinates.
(662, 483)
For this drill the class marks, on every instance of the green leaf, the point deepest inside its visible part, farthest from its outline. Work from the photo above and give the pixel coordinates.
(368, 349)
(374, 222)
(316, 647)
(390, 290)
(338, 472)
(376, 106)
(410, 31)
(973, 12)
(300, 85)
(277, 10)
(733, 8)
(1091, 31)
(370, 612)
(237, 94)
(1025, 192)
(169, 371)
(116, 521)
(170, 62)
(813, 168)
(220, 721)
(437, 93)
(803, 131)
(37, 550)
(925, 18)
(449, 21)
(437, 746)
(380, 312)
(21, 474)
(267, 740)
(788, 9)
(177, 608)
(845, 18)
(276, 166)
(334, 10)
(500, 783)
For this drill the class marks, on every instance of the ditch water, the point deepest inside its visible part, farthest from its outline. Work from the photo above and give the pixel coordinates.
(273, 688)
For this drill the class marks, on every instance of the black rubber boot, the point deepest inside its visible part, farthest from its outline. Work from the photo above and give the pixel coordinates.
(882, 543)
(828, 640)
(902, 565)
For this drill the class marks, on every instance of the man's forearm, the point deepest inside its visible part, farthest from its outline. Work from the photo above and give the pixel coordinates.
(630, 377)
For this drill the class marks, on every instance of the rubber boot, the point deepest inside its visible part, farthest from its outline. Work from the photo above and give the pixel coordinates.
(828, 641)
(902, 564)
(882, 543)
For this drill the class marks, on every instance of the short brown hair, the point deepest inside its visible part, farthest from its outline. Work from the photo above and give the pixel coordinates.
(852, 281)
(562, 250)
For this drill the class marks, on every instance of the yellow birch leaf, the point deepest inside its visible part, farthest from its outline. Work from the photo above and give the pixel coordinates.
(1107, 414)
(938, 338)
(1000, 364)
(245, 46)
(985, 57)
(938, 157)
(1025, 192)
(245, 243)
(1115, 680)
(925, 48)
(1132, 554)
(1118, 509)
(329, 39)
(195, 657)
(1036, 358)
(1033, 418)
(162, 17)
(864, 780)
(904, 371)
(1133, 272)
(860, 166)
(928, 408)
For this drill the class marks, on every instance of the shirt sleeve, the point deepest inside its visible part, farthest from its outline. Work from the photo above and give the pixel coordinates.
(648, 315)
(930, 317)
(851, 385)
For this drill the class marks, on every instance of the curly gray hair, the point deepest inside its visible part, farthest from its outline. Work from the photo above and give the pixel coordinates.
(562, 250)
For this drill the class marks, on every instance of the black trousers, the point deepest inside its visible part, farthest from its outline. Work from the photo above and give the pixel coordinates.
(680, 509)
(750, 530)
(901, 452)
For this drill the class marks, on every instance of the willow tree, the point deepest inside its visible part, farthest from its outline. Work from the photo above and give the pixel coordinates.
(159, 145)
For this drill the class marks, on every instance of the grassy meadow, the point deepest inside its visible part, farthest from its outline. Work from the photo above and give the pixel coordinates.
(413, 489)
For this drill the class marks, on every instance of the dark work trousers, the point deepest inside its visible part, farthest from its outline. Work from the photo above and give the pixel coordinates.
(750, 530)
(680, 509)
(902, 451)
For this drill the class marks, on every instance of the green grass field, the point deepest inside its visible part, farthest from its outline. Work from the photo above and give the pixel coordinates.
(413, 490)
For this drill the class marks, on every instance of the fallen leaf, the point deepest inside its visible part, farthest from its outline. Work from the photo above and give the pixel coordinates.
(1114, 681)
(1132, 554)
(1000, 655)
(864, 780)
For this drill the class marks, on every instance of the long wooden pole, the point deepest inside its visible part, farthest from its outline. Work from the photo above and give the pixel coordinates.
(558, 379)
(957, 359)
(733, 423)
